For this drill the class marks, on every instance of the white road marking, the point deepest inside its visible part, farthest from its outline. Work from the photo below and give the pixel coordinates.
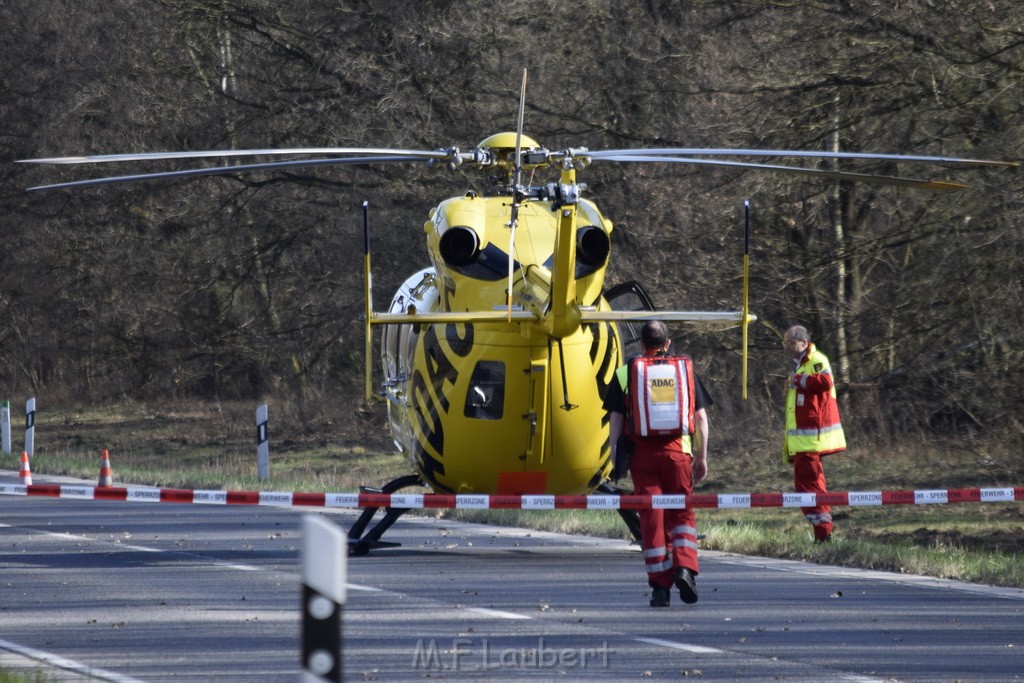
(700, 649)
(140, 548)
(696, 649)
(66, 664)
(496, 613)
(368, 589)
(145, 549)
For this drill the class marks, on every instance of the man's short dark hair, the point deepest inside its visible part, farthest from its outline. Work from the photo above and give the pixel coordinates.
(654, 335)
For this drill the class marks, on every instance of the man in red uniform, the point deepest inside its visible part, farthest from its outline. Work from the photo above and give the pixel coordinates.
(813, 429)
(664, 465)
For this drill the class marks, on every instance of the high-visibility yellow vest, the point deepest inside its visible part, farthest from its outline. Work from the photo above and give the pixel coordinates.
(812, 413)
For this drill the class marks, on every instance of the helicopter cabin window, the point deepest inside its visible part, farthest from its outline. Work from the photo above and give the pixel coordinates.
(485, 399)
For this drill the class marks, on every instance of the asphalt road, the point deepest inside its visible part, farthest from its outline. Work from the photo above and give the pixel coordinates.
(160, 592)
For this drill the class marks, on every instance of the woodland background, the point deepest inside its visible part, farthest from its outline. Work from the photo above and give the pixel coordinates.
(250, 287)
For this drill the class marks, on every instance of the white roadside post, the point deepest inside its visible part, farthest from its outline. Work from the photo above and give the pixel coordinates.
(262, 444)
(30, 426)
(5, 426)
(324, 558)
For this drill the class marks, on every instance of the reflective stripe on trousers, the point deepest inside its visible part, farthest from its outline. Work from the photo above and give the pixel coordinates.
(657, 560)
(669, 537)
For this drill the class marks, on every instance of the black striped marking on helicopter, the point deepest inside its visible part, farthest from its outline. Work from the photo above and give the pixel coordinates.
(427, 394)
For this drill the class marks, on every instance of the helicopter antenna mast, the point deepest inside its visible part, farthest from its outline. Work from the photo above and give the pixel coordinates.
(517, 176)
(746, 289)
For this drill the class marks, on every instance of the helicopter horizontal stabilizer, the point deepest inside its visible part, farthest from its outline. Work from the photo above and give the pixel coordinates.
(587, 316)
(431, 317)
(731, 317)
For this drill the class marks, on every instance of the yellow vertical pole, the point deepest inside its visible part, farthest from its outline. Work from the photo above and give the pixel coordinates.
(368, 297)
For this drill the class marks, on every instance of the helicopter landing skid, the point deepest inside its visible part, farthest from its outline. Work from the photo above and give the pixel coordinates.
(360, 544)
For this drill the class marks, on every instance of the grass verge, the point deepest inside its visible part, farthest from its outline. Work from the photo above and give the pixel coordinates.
(7, 676)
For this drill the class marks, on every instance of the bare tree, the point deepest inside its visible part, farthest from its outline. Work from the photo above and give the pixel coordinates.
(245, 285)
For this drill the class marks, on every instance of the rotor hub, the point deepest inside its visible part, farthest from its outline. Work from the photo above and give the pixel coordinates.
(501, 149)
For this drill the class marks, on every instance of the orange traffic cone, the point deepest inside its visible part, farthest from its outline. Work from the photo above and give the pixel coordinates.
(26, 471)
(106, 476)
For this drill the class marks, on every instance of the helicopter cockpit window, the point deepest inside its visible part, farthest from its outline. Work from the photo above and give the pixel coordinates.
(486, 397)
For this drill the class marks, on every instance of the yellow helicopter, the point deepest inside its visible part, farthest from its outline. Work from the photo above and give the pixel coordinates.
(496, 356)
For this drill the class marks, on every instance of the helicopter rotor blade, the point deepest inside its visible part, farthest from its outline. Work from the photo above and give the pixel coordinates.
(227, 170)
(808, 154)
(231, 153)
(480, 158)
(797, 170)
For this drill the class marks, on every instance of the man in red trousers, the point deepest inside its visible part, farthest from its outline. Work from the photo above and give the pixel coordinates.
(813, 429)
(664, 461)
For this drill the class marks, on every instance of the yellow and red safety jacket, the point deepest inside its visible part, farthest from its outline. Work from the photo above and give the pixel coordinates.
(812, 414)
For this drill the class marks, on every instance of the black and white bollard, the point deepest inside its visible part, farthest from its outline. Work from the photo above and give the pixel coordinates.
(30, 426)
(324, 557)
(5, 427)
(262, 444)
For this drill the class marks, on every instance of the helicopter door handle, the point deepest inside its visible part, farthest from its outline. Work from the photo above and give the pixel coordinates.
(532, 419)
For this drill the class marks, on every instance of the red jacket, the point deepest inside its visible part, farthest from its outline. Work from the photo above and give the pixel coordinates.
(812, 414)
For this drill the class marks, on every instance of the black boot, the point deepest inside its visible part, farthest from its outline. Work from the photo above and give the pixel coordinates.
(661, 597)
(686, 582)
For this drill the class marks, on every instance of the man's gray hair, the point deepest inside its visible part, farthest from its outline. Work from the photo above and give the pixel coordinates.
(799, 333)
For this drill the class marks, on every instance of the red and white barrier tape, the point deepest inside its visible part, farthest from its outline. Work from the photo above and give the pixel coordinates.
(474, 501)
